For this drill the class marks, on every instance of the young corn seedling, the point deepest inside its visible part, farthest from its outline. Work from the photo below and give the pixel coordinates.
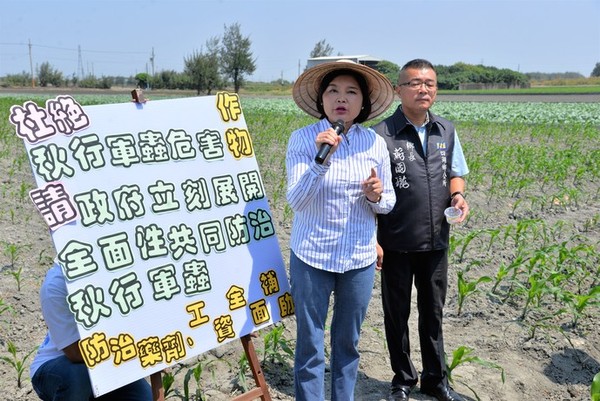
(196, 374)
(13, 252)
(243, 369)
(17, 363)
(467, 288)
(5, 308)
(578, 302)
(466, 240)
(274, 343)
(17, 275)
(168, 379)
(504, 270)
(463, 355)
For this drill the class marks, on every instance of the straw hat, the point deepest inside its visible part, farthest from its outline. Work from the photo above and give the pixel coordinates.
(306, 88)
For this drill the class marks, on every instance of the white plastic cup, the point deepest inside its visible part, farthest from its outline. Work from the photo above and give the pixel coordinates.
(452, 214)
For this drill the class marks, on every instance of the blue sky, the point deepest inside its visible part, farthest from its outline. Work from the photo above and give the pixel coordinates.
(118, 37)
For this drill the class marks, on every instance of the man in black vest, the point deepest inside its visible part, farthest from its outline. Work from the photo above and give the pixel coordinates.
(428, 167)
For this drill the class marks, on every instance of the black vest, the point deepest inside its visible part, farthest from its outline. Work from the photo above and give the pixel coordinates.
(421, 182)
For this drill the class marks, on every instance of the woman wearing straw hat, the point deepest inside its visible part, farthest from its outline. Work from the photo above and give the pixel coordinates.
(335, 197)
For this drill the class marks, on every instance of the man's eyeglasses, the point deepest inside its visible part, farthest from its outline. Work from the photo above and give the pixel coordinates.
(416, 84)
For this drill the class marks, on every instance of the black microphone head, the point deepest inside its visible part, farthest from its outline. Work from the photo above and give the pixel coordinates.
(338, 126)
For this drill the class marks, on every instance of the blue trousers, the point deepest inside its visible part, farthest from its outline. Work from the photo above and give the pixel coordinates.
(62, 380)
(311, 290)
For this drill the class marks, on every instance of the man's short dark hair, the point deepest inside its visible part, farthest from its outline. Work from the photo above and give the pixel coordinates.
(418, 63)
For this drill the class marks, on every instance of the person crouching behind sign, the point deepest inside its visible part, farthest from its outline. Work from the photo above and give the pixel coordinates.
(58, 372)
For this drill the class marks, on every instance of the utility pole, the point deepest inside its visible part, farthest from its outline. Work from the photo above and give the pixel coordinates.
(152, 61)
(31, 66)
(79, 63)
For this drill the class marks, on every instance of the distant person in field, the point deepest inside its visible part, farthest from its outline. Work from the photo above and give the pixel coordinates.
(58, 372)
(335, 202)
(428, 167)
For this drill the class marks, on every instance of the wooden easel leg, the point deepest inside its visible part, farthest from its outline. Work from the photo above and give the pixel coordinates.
(262, 390)
(158, 392)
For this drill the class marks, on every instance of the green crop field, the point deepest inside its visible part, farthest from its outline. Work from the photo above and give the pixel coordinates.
(529, 250)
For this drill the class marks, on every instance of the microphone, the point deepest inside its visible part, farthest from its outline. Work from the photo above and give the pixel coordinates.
(338, 127)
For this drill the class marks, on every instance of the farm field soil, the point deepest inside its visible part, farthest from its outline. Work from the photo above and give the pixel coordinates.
(550, 366)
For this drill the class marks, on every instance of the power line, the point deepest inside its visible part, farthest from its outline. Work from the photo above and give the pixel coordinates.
(113, 51)
(107, 57)
(72, 49)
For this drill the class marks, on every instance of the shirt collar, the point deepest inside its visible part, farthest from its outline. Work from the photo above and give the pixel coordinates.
(417, 127)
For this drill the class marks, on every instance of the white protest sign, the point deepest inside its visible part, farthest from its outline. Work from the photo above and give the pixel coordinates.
(161, 225)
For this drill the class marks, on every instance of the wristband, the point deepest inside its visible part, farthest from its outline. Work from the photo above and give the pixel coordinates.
(458, 193)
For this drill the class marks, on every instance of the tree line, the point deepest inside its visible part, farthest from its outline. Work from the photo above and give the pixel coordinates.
(452, 77)
(222, 61)
(226, 61)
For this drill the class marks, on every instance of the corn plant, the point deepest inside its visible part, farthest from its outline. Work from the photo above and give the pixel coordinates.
(168, 379)
(465, 241)
(23, 192)
(195, 373)
(43, 259)
(578, 302)
(13, 252)
(242, 372)
(5, 308)
(546, 323)
(494, 234)
(504, 270)
(467, 288)
(18, 363)
(463, 355)
(276, 347)
(590, 223)
(537, 285)
(17, 275)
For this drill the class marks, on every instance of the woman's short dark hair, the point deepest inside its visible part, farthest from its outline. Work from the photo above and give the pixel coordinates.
(362, 84)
